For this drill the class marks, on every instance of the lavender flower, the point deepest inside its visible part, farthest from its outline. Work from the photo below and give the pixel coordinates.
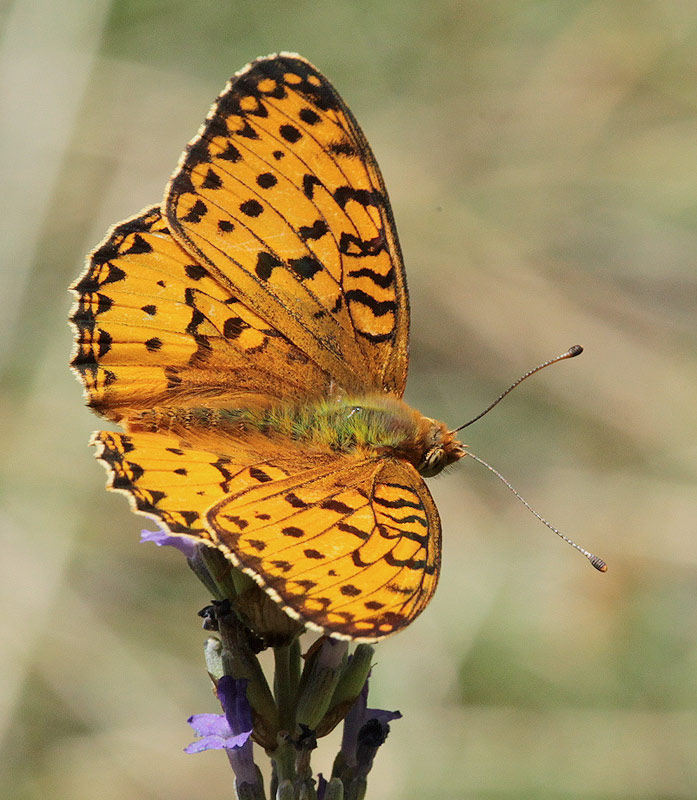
(164, 538)
(365, 730)
(364, 725)
(216, 733)
(230, 731)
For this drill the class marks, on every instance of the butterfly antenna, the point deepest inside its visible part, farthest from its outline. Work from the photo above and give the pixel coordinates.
(576, 350)
(598, 563)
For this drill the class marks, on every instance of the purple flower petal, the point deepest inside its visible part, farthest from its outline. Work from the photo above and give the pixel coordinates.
(216, 734)
(232, 693)
(210, 725)
(207, 743)
(163, 538)
(229, 731)
(383, 717)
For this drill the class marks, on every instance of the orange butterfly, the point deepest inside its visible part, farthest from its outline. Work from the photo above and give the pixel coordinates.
(251, 335)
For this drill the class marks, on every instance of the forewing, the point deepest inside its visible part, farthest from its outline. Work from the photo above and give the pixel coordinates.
(280, 196)
(351, 548)
(154, 327)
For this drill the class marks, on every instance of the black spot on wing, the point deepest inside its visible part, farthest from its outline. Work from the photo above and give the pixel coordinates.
(378, 307)
(154, 344)
(101, 272)
(233, 327)
(317, 230)
(182, 184)
(251, 208)
(309, 183)
(266, 263)
(346, 528)
(190, 517)
(231, 153)
(409, 563)
(290, 133)
(259, 475)
(352, 245)
(400, 502)
(247, 131)
(195, 272)
(309, 117)
(138, 246)
(198, 153)
(365, 197)
(306, 266)
(212, 180)
(336, 505)
(291, 530)
(293, 500)
(266, 180)
(343, 148)
(237, 521)
(196, 213)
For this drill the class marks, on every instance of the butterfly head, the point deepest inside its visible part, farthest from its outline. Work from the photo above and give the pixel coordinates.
(441, 449)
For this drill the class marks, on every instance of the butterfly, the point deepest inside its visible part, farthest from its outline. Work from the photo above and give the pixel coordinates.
(250, 333)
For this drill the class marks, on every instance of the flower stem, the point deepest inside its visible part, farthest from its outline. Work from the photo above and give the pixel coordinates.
(284, 760)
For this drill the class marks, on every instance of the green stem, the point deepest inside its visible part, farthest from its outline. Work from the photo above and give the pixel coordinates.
(284, 760)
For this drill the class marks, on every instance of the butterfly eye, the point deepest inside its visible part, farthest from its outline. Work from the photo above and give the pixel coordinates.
(433, 462)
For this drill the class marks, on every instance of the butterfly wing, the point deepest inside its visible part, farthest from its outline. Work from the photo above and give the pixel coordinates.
(280, 197)
(348, 546)
(351, 547)
(175, 482)
(162, 480)
(153, 327)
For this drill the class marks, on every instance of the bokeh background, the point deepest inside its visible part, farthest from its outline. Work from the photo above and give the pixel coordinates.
(541, 161)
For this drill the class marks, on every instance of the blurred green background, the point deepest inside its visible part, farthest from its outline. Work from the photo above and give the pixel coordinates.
(541, 161)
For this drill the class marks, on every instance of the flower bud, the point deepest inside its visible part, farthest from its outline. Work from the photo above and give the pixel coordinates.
(319, 680)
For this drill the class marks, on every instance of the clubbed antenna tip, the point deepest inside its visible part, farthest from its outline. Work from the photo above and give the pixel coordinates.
(598, 563)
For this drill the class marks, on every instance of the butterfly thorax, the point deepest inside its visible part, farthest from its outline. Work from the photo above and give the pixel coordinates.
(381, 425)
